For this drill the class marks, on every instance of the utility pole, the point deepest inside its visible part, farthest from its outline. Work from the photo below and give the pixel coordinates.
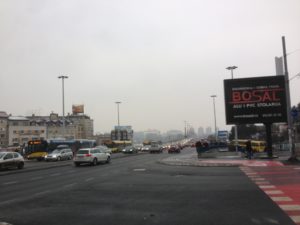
(118, 103)
(63, 101)
(213, 97)
(231, 68)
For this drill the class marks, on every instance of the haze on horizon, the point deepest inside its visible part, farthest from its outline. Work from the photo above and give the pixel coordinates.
(162, 59)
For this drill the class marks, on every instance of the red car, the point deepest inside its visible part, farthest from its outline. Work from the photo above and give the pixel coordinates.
(174, 149)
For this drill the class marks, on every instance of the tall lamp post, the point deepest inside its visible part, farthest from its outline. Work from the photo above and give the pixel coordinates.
(231, 68)
(213, 97)
(63, 101)
(118, 103)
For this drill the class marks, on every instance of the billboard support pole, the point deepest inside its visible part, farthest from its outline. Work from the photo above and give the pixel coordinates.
(269, 139)
(288, 101)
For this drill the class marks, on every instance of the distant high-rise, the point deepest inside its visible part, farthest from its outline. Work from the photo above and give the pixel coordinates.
(208, 131)
(200, 132)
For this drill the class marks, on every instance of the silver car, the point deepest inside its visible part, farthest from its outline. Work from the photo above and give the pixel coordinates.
(92, 156)
(11, 160)
(59, 154)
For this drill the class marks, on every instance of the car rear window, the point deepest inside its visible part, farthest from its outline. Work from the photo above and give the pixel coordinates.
(83, 152)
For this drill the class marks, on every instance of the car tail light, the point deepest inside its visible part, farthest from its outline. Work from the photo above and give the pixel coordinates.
(88, 155)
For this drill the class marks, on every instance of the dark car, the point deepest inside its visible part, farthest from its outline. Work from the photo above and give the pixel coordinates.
(11, 160)
(174, 149)
(130, 149)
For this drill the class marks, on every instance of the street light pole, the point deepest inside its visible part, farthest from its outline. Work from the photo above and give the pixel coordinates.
(118, 103)
(231, 68)
(63, 101)
(213, 97)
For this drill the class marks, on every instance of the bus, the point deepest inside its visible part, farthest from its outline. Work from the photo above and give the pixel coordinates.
(38, 149)
(257, 146)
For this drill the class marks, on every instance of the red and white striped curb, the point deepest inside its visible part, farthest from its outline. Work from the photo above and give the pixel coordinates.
(288, 204)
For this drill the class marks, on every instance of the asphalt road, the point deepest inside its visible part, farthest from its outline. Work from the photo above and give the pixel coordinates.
(135, 190)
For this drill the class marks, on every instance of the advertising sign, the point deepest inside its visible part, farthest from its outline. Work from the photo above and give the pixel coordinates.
(255, 100)
(77, 109)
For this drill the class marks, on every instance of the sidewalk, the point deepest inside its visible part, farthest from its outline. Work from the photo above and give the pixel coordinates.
(234, 159)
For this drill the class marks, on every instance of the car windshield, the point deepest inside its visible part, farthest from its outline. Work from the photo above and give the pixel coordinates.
(2, 154)
(56, 151)
(83, 152)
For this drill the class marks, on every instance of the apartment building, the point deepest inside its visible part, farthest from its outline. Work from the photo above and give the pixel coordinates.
(3, 129)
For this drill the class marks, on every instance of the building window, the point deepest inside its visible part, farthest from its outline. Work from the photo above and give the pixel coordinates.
(14, 131)
(15, 123)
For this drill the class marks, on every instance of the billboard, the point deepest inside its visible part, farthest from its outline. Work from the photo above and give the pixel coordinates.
(255, 100)
(77, 109)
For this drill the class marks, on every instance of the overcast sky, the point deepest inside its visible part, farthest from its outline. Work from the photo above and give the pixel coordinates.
(162, 59)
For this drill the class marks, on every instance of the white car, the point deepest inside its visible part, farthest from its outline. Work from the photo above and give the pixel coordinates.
(92, 156)
(146, 148)
(59, 154)
(11, 159)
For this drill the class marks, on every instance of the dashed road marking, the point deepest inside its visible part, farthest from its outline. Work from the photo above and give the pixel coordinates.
(258, 179)
(281, 199)
(262, 182)
(296, 219)
(290, 207)
(266, 186)
(9, 183)
(89, 179)
(55, 174)
(274, 192)
(139, 170)
(69, 185)
(36, 178)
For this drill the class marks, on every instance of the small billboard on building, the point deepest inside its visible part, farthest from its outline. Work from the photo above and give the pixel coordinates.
(76, 109)
(255, 100)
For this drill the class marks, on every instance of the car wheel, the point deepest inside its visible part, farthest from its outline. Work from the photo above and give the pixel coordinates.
(95, 162)
(77, 164)
(58, 158)
(108, 159)
(20, 165)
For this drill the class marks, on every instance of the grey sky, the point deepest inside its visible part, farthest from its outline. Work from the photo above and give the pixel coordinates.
(161, 58)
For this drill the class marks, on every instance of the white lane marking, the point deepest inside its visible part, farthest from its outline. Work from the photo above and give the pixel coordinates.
(258, 179)
(9, 183)
(139, 170)
(290, 207)
(55, 174)
(296, 219)
(281, 199)
(262, 182)
(275, 192)
(36, 178)
(69, 185)
(42, 193)
(89, 179)
(297, 168)
(266, 186)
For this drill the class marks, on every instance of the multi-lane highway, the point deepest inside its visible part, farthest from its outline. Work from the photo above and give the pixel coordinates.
(135, 190)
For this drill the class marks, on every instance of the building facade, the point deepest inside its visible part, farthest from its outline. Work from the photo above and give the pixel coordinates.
(3, 129)
(20, 131)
